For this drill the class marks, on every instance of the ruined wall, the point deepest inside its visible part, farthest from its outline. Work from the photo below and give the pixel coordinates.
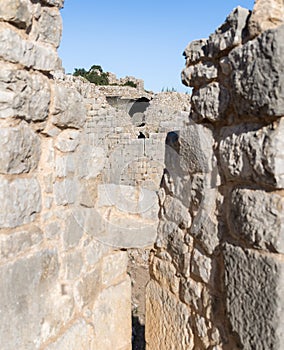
(217, 271)
(77, 188)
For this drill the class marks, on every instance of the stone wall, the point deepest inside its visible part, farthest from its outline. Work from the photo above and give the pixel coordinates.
(217, 270)
(78, 181)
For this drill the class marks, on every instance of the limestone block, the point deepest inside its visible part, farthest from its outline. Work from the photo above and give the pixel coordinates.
(19, 241)
(112, 318)
(65, 165)
(74, 229)
(68, 108)
(78, 337)
(72, 265)
(266, 14)
(196, 149)
(230, 34)
(114, 268)
(48, 27)
(165, 274)
(199, 74)
(19, 149)
(95, 251)
(57, 3)
(191, 293)
(23, 94)
(211, 102)
(257, 77)
(195, 51)
(52, 230)
(251, 153)
(201, 266)
(258, 217)
(255, 294)
(16, 12)
(65, 191)
(125, 216)
(88, 288)
(20, 201)
(67, 141)
(15, 49)
(166, 318)
(28, 299)
(176, 212)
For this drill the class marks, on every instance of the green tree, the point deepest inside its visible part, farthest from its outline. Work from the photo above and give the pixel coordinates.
(94, 75)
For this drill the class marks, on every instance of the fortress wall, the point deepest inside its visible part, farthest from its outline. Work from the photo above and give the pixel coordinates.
(217, 270)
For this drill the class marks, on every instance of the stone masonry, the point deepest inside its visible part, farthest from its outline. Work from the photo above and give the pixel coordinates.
(217, 271)
(89, 173)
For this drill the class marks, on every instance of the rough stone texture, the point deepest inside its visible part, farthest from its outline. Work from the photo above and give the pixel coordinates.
(68, 109)
(48, 28)
(220, 280)
(165, 321)
(255, 290)
(199, 74)
(21, 199)
(23, 94)
(111, 312)
(266, 14)
(16, 12)
(19, 241)
(251, 153)
(257, 69)
(58, 3)
(19, 150)
(21, 306)
(78, 337)
(230, 34)
(210, 102)
(257, 217)
(16, 50)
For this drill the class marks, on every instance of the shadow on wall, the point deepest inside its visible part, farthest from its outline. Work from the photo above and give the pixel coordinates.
(139, 106)
(138, 334)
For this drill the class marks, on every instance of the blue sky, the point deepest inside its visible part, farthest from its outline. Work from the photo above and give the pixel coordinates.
(144, 39)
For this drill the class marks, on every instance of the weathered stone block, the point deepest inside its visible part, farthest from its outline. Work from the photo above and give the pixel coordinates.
(48, 28)
(196, 150)
(166, 318)
(230, 34)
(16, 12)
(176, 212)
(258, 218)
(251, 153)
(72, 265)
(257, 78)
(266, 14)
(20, 200)
(19, 149)
(112, 317)
(211, 102)
(19, 241)
(67, 140)
(199, 74)
(15, 49)
(88, 288)
(79, 336)
(165, 274)
(23, 94)
(195, 51)
(255, 294)
(114, 268)
(68, 108)
(65, 191)
(201, 266)
(27, 298)
(74, 229)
